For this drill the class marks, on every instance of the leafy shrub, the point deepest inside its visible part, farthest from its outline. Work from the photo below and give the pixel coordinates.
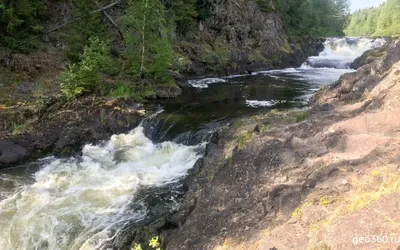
(128, 90)
(83, 76)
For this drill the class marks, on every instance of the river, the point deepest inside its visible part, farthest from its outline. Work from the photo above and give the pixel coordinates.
(86, 201)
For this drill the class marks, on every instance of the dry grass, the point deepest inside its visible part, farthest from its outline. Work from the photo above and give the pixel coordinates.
(365, 190)
(370, 188)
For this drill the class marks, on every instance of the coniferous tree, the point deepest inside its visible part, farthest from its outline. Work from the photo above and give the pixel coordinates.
(20, 20)
(379, 21)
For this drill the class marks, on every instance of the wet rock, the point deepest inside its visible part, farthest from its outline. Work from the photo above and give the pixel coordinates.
(164, 92)
(239, 38)
(371, 66)
(10, 153)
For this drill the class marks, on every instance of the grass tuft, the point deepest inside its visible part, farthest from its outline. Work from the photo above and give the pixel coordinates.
(301, 116)
(244, 139)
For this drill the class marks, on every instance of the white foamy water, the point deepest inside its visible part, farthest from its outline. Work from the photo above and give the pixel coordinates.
(203, 83)
(79, 203)
(331, 63)
(256, 104)
(341, 52)
(324, 69)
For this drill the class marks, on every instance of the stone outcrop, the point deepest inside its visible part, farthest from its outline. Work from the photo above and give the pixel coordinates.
(240, 37)
(313, 184)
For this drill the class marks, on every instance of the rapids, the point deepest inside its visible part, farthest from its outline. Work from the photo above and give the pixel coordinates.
(82, 202)
(85, 202)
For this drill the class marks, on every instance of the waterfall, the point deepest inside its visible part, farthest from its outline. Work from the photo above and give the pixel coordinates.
(339, 53)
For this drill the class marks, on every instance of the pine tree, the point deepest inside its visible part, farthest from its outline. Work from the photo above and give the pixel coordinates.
(89, 25)
(379, 21)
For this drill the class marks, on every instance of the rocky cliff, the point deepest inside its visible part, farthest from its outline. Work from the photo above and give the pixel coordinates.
(327, 179)
(240, 36)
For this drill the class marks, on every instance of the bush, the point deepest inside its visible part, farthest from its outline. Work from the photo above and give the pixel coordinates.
(131, 91)
(85, 75)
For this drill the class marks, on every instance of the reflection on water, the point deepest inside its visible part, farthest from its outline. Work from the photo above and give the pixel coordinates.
(238, 96)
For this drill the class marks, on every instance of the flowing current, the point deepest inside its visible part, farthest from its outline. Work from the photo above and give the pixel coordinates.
(85, 202)
(82, 202)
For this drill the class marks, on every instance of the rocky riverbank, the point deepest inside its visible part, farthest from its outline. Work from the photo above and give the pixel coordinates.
(303, 180)
(239, 37)
(64, 128)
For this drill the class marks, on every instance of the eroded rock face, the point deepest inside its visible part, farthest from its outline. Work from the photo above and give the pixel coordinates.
(240, 37)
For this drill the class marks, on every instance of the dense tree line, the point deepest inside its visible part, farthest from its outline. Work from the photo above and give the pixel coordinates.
(146, 33)
(378, 21)
(313, 18)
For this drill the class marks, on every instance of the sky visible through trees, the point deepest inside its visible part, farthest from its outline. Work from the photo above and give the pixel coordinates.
(376, 21)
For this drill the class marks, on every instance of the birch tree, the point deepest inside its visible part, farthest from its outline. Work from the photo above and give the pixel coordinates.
(147, 40)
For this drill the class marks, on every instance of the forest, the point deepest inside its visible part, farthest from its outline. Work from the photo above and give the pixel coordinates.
(314, 18)
(146, 33)
(378, 21)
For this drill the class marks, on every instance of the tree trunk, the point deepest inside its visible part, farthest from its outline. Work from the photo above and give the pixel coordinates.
(143, 37)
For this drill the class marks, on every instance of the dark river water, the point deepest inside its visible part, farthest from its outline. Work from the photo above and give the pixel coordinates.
(236, 96)
(87, 201)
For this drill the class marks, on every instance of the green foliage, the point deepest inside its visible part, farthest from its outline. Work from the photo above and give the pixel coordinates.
(380, 21)
(313, 18)
(301, 116)
(266, 5)
(147, 40)
(89, 25)
(244, 139)
(18, 129)
(154, 242)
(136, 246)
(125, 90)
(184, 13)
(84, 76)
(20, 20)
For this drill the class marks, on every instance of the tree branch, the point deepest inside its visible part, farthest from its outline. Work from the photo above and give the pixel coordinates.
(110, 19)
(71, 21)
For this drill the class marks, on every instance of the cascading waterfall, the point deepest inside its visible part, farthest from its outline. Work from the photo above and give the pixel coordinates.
(83, 202)
(339, 53)
(332, 62)
(327, 67)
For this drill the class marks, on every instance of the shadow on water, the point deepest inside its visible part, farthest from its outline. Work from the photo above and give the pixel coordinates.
(207, 108)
